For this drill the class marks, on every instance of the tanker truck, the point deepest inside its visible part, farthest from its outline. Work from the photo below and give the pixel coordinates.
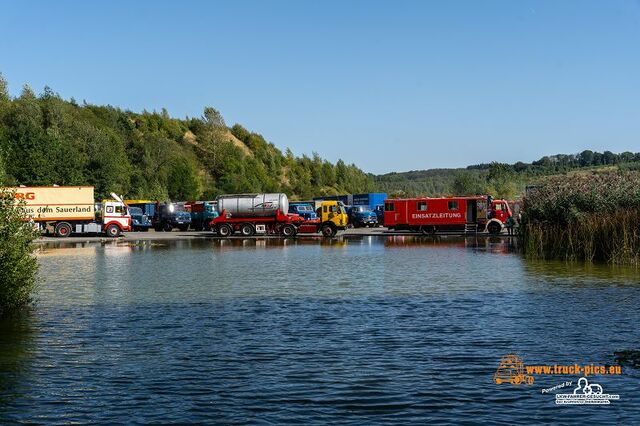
(250, 214)
(63, 210)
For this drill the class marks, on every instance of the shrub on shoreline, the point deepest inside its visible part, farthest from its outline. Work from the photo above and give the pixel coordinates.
(18, 265)
(586, 217)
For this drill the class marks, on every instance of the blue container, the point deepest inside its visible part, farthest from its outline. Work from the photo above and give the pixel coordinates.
(371, 200)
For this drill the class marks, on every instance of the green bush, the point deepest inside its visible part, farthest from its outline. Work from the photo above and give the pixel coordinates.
(593, 217)
(18, 265)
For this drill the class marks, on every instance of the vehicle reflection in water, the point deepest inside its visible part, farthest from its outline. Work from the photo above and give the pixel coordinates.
(482, 243)
(486, 243)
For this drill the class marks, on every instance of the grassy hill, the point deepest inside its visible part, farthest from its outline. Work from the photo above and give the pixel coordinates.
(47, 140)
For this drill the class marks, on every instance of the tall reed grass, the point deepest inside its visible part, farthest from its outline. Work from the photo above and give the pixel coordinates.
(585, 217)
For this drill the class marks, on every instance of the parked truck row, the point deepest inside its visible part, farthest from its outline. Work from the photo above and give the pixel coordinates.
(61, 211)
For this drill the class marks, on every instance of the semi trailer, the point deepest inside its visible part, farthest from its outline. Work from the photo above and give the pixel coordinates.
(250, 214)
(63, 210)
(430, 215)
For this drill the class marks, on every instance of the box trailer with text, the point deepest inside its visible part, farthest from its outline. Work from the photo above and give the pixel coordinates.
(429, 215)
(63, 210)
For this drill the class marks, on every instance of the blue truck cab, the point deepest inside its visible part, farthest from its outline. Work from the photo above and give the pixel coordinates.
(140, 222)
(362, 216)
(305, 210)
(202, 212)
(169, 215)
(379, 210)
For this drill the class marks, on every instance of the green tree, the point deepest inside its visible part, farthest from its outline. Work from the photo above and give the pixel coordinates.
(501, 181)
(183, 181)
(467, 184)
(18, 265)
(2, 167)
(212, 136)
(108, 168)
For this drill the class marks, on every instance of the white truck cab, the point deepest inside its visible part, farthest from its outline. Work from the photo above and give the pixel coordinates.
(115, 218)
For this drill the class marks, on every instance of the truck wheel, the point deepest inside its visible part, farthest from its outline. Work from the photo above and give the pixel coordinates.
(494, 228)
(288, 230)
(224, 230)
(157, 228)
(247, 229)
(63, 230)
(167, 227)
(428, 230)
(329, 231)
(113, 231)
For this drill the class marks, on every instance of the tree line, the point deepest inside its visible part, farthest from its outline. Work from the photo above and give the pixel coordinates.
(46, 140)
(500, 179)
(564, 162)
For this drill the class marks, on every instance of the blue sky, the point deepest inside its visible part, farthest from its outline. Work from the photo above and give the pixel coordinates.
(390, 86)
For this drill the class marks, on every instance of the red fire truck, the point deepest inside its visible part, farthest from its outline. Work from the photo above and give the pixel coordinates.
(429, 215)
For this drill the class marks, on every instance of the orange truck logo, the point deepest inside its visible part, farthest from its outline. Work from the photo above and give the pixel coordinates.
(511, 370)
(25, 196)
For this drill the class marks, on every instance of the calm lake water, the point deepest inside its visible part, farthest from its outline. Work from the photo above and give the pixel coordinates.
(361, 331)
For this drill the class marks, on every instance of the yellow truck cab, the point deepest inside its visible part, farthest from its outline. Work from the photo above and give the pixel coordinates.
(333, 217)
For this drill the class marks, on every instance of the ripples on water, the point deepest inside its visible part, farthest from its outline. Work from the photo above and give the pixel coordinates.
(360, 331)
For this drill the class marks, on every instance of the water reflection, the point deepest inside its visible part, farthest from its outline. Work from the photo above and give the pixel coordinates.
(17, 346)
(492, 244)
(581, 273)
(361, 329)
